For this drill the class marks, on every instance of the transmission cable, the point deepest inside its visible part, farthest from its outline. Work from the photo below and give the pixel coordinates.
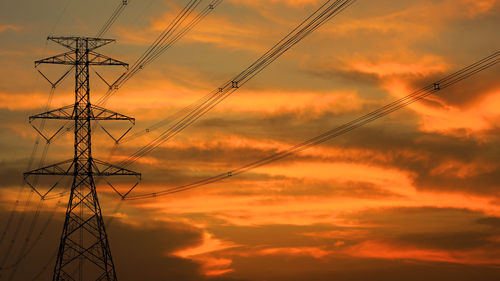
(23, 254)
(33, 153)
(25, 251)
(173, 38)
(116, 13)
(328, 10)
(27, 202)
(433, 88)
(169, 36)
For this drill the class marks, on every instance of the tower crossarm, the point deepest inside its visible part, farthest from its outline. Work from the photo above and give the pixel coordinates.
(64, 58)
(59, 169)
(68, 58)
(70, 41)
(66, 113)
(100, 59)
(100, 113)
(102, 168)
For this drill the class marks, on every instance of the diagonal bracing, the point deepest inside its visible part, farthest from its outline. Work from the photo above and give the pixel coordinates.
(84, 252)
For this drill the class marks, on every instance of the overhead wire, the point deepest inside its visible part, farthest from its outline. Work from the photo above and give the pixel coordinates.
(103, 30)
(13, 212)
(325, 12)
(10, 247)
(152, 49)
(168, 37)
(145, 60)
(174, 37)
(196, 105)
(174, 31)
(111, 20)
(160, 40)
(33, 154)
(430, 89)
(34, 151)
(24, 245)
(26, 250)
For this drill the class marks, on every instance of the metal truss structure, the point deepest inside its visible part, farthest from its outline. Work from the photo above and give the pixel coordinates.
(84, 251)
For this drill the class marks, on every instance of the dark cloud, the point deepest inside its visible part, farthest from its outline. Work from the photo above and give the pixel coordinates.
(11, 174)
(419, 219)
(357, 269)
(448, 241)
(386, 137)
(435, 150)
(466, 93)
(424, 228)
(277, 235)
(335, 73)
(493, 222)
(292, 187)
(141, 252)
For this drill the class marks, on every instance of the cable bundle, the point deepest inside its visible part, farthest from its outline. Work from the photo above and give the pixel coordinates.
(343, 129)
(328, 10)
(169, 36)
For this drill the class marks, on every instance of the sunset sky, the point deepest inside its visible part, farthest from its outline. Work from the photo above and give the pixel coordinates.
(412, 196)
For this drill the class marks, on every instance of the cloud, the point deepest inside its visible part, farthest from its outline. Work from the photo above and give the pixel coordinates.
(202, 253)
(375, 249)
(450, 241)
(449, 119)
(138, 251)
(379, 237)
(293, 3)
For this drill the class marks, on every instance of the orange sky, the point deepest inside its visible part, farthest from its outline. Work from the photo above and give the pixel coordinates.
(412, 196)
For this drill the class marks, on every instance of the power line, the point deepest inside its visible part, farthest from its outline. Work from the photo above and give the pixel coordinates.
(84, 246)
(40, 204)
(24, 252)
(27, 202)
(106, 27)
(36, 144)
(116, 13)
(174, 37)
(16, 231)
(433, 88)
(325, 12)
(103, 30)
(169, 36)
(44, 228)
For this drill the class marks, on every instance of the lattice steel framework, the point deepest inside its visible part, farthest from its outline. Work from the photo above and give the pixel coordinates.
(84, 251)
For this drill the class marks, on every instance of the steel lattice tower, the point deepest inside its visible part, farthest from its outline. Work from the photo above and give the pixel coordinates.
(84, 251)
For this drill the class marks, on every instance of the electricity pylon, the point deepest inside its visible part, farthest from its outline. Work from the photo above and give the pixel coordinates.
(84, 251)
